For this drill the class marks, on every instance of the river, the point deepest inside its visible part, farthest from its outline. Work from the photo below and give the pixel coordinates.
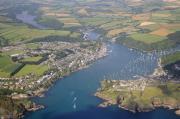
(91, 35)
(72, 97)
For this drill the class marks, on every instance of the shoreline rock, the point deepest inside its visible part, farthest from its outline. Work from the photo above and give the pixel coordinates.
(35, 107)
(177, 112)
(107, 103)
(138, 85)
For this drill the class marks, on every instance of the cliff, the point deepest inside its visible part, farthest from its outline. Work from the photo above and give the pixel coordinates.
(140, 95)
(15, 109)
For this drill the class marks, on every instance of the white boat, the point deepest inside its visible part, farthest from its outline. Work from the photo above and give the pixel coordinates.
(74, 106)
(75, 98)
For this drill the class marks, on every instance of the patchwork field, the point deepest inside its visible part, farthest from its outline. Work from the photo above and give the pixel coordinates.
(94, 21)
(14, 34)
(116, 32)
(68, 22)
(147, 38)
(142, 17)
(147, 23)
(161, 32)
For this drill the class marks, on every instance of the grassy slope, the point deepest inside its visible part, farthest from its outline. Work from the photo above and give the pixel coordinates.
(38, 70)
(22, 33)
(7, 66)
(32, 59)
(171, 58)
(147, 38)
(165, 93)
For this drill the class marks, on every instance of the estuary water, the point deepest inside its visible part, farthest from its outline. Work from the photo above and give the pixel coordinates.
(91, 35)
(72, 97)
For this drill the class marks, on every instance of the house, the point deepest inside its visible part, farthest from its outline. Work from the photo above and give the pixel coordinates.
(16, 57)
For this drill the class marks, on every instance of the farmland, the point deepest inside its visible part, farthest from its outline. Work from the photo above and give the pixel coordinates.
(29, 53)
(32, 59)
(114, 21)
(7, 66)
(37, 70)
(161, 32)
(138, 24)
(147, 38)
(15, 34)
(144, 29)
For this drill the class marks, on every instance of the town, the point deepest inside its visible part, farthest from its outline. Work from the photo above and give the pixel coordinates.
(57, 59)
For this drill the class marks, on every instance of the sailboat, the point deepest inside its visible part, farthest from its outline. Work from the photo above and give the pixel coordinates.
(74, 106)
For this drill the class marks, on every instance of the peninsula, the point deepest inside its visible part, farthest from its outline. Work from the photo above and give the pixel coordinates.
(161, 89)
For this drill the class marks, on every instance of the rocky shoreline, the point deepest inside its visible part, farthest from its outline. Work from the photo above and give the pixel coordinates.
(15, 109)
(178, 112)
(108, 102)
(117, 92)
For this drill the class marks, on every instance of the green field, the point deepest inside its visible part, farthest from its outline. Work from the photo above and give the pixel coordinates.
(7, 66)
(21, 33)
(32, 45)
(147, 38)
(50, 22)
(167, 93)
(38, 70)
(94, 21)
(111, 25)
(32, 59)
(11, 52)
(170, 58)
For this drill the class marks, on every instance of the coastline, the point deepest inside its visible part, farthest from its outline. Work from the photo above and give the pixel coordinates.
(158, 72)
(40, 92)
(108, 102)
(102, 53)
